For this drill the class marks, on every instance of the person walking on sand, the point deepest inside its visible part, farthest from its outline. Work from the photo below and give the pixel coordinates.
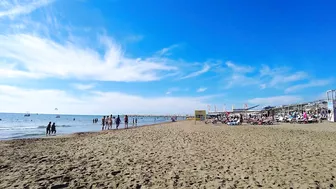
(53, 129)
(117, 122)
(126, 121)
(48, 129)
(110, 122)
(103, 122)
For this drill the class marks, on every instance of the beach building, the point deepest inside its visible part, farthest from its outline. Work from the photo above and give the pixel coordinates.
(331, 100)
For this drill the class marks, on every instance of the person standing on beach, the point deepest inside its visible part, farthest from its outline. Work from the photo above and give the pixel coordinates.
(106, 122)
(136, 121)
(111, 121)
(48, 129)
(133, 122)
(126, 122)
(53, 129)
(117, 122)
(103, 123)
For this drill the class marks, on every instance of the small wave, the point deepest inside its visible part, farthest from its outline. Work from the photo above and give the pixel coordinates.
(31, 135)
(44, 126)
(16, 128)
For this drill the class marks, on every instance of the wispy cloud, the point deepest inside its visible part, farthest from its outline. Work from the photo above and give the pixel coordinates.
(239, 80)
(81, 86)
(167, 51)
(171, 90)
(16, 99)
(205, 69)
(297, 76)
(281, 75)
(315, 83)
(276, 100)
(40, 57)
(10, 8)
(201, 89)
(239, 69)
(238, 76)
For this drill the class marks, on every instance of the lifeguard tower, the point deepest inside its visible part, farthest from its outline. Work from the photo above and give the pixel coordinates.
(331, 98)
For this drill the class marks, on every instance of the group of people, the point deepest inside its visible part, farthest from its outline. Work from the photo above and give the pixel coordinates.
(107, 122)
(95, 120)
(51, 129)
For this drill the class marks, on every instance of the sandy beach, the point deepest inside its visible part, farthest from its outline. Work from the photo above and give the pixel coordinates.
(176, 155)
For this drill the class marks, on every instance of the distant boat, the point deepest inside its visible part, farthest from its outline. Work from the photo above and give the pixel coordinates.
(27, 114)
(57, 116)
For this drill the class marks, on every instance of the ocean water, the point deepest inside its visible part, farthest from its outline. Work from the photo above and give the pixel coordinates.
(14, 125)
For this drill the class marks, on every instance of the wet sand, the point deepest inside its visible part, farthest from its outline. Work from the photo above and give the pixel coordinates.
(176, 155)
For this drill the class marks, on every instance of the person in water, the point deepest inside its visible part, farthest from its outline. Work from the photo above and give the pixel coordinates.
(48, 129)
(103, 123)
(117, 122)
(126, 121)
(111, 121)
(53, 129)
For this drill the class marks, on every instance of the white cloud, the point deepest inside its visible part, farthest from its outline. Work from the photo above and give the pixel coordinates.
(205, 69)
(167, 51)
(276, 100)
(297, 76)
(239, 69)
(239, 80)
(81, 86)
(201, 89)
(14, 99)
(281, 75)
(315, 83)
(10, 8)
(40, 58)
(171, 90)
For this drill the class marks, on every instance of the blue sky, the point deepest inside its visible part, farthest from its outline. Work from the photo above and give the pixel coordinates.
(96, 57)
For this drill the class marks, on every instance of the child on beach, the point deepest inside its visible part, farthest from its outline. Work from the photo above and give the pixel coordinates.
(117, 122)
(48, 129)
(53, 129)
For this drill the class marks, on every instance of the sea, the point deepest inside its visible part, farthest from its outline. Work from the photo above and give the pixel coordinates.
(16, 125)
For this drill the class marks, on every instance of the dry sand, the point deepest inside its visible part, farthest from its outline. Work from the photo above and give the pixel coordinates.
(176, 155)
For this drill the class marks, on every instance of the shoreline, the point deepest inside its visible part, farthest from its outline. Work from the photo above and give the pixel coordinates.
(74, 134)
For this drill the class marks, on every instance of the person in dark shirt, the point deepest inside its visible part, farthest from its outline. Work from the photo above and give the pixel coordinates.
(103, 123)
(126, 122)
(117, 122)
(48, 129)
(53, 129)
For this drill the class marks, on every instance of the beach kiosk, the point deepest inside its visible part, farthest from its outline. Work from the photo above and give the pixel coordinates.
(200, 115)
(331, 98)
